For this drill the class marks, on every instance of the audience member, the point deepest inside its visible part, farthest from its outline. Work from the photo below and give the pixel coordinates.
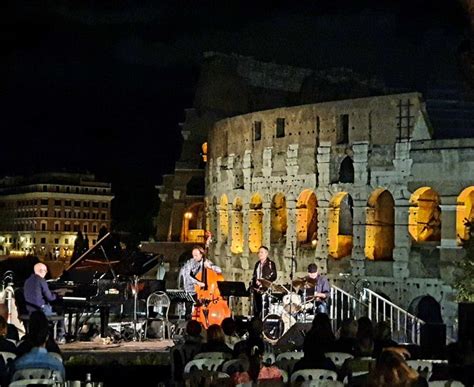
(382, 337)
(184, 352)
(12, 330)
(392, 370)
(461, 362)
(254, 339)
(215, 340)
(314, 357)
(34, 326)
(5, 344)
(38, 356)
(229, 327)
(321, 334)
(347, 337)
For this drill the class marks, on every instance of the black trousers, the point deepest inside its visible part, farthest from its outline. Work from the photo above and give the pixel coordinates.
(189, 307)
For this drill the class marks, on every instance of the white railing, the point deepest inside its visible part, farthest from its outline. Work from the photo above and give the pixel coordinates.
(405, 326)
(344, 305)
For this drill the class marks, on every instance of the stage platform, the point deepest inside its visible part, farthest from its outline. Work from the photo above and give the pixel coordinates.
(121, 363)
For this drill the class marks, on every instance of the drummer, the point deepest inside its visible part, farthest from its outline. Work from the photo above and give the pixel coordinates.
(264, 270)
(320, 289)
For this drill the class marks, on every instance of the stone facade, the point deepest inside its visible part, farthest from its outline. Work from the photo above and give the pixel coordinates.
(358, 186)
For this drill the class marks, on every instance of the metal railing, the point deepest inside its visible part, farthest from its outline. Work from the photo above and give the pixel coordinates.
(344, 305)
(405, 326)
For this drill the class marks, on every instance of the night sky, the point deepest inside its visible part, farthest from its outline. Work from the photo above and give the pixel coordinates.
(100, 86)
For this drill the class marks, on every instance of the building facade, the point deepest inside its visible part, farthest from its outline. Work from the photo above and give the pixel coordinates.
(359, 187)
(41, 214)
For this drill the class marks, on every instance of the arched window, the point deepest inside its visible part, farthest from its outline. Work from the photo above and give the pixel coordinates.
(340, 225)
(380, 230)
(278, 219)
(223, 219)
(346, 171)
(193, 224)
(307, 218)
(464, 212)
(255, 223)
(237, 227)
(424, 220)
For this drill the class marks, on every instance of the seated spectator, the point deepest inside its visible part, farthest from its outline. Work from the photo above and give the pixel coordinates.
(215, 340)
(5, 345)
(314, 357)
(258, 371)
(391, 370)
(365, 327)
(254, 339)
(184, 352)
(27, 342)
(12, 330)
(229, 327)
(321, 334)
(347, 337)
(38, 356)
(461, 362)
(383, 337)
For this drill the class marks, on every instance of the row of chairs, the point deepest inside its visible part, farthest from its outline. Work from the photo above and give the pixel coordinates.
(286, 361)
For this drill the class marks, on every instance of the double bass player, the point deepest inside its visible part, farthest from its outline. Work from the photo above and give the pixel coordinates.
(190, 271)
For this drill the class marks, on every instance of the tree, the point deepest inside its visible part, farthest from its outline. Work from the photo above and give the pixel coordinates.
(464, 283)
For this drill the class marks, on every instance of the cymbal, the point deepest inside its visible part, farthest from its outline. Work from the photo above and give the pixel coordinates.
(304, 283)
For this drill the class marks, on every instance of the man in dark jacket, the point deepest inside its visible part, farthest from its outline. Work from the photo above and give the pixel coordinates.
(264, 269)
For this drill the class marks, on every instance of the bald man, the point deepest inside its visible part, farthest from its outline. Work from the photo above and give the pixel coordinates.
(36, 291)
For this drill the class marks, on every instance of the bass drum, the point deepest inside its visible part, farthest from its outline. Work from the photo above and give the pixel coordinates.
(275, 326)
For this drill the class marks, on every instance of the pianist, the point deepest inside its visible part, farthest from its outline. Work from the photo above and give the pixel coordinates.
(39, 297)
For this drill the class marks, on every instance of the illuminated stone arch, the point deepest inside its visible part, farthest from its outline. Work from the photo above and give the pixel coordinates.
(194, 219)
(237, 227)
(340, 225)
(464, 211)
(380, 230)
(255, 223)
(424, 219)
(307, 218)
(278, 218)
(224, 219)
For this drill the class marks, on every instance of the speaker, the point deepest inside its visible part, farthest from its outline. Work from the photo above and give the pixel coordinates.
(294, 337)
(433, 339)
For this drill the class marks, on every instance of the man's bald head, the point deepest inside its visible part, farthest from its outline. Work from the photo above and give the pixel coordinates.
(40, 269)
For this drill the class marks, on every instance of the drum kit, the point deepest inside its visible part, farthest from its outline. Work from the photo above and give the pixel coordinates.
(284, 305)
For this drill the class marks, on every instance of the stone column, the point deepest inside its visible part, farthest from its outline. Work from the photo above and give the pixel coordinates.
(290, 246)
(245, 229)
(401, 251)
(247, 170)
(321, 253)
(449, 246)
(358, 238)
(361, 176)
(323, 158)
(266, 224)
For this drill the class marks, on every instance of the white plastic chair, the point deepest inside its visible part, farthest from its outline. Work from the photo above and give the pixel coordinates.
(286, 365)
(201, 364)
(284, 376)
(445, 383)
(269, 358)
(157, 308)
(29, 382)
(424, 368)
(213, 355)
(338, 358)
(37, 373)
(7, 356)
(322, 383)
(290, 356)
(313, 374)
(235, 365)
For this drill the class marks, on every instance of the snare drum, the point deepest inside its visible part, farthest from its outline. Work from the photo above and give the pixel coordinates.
(292, 303)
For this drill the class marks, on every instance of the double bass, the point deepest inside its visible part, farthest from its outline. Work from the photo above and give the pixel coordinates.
(212, 308)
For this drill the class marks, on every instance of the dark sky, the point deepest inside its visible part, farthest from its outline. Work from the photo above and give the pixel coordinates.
(102, 85)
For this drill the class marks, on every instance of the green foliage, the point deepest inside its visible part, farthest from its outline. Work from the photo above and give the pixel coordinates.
(464, 283)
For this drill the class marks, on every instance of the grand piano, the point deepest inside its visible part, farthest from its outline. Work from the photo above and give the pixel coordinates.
(99, 279)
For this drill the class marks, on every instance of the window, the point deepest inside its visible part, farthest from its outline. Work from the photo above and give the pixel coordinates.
(95, 205)
(94, 228)
(257, 130)
(44, 202)
(57, 188)
(76, 227)
(57, 202)
(67, 227)
(102, 216)
(56, 241)
(67, 202)
(68, 189)
(45, 188)
(56, 227)
(85, 228)
(343, 130)
(43, 226)
(86, 204)
(43, 241)
(66, 241)
(105, 205)
(77, 203)
(280, 127)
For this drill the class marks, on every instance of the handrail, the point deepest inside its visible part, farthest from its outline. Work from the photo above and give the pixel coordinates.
(343, 305)
(404, 322)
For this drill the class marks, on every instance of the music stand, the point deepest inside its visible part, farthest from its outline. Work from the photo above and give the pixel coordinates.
(232, 289)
